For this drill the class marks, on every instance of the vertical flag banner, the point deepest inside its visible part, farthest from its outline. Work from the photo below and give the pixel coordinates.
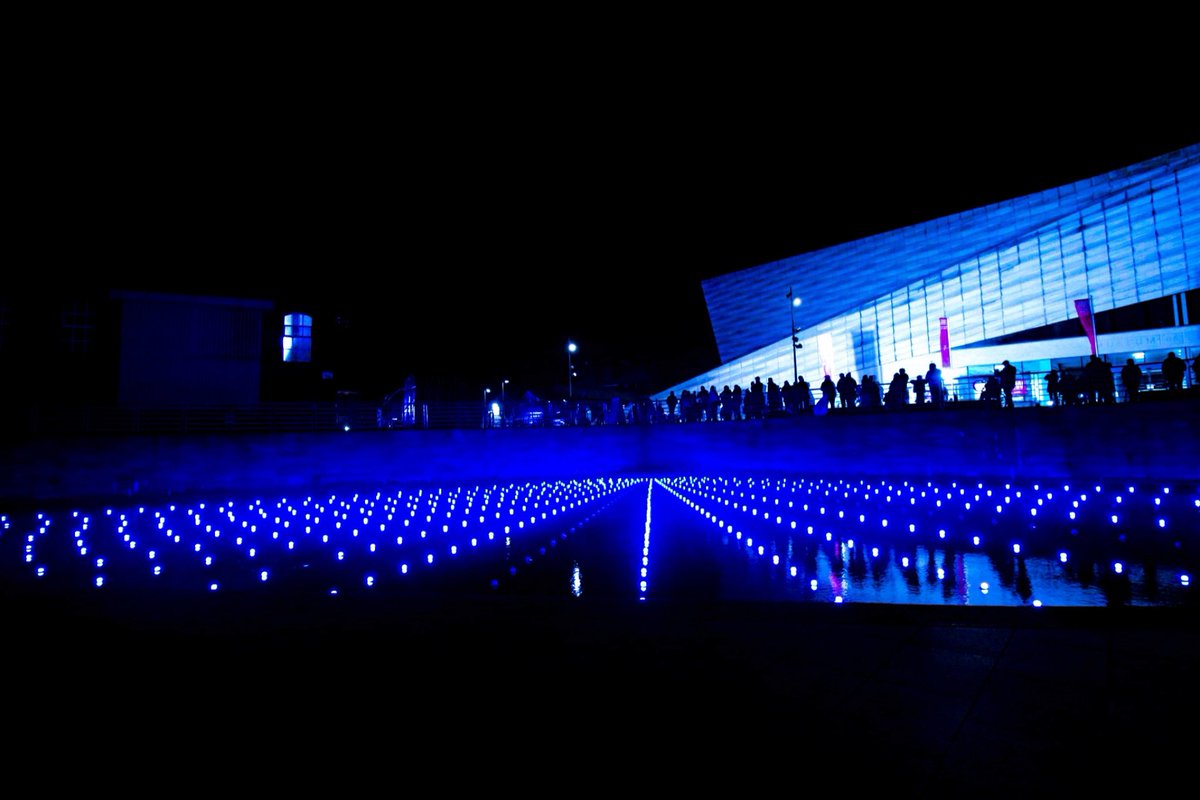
(945, 343)
(1084, 309)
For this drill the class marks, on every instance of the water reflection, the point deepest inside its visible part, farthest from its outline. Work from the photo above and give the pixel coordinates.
(715, 538)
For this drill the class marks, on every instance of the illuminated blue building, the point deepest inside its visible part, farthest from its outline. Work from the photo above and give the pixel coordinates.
(1013, 280)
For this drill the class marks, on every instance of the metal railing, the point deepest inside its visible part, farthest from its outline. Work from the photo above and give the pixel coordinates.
(280, 417)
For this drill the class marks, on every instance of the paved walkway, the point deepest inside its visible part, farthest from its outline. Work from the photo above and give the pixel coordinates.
(535, 696)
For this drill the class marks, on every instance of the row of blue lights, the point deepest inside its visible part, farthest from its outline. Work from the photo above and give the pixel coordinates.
(223, 542)
(372, 538)
(840, 513)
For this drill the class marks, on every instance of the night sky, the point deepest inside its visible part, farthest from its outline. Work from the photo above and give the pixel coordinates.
(470, 237)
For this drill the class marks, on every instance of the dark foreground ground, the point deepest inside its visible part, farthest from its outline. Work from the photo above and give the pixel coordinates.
(502, 694)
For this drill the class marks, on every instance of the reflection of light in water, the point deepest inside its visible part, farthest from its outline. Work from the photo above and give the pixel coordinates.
(324, 536)
(643, 584)
(576, 581)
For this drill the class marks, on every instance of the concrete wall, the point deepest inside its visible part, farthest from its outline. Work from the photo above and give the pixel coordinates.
(1154, 440)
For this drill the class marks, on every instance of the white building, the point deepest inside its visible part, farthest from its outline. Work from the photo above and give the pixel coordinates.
(967, 291)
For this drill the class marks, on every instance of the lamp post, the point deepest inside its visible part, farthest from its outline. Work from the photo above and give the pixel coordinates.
(571, 348)
(503, 412)
(486, 392)
(792, 306)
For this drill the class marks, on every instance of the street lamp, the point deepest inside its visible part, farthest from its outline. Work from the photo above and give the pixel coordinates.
(571, 348)
(486, 392)
(503, 411)
(792, 306)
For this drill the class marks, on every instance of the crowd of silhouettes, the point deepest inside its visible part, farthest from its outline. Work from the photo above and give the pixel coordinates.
(767, 400)
(1094, 383)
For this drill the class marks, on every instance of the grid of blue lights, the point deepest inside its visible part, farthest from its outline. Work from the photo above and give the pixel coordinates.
(836, 541)
(1083, 544)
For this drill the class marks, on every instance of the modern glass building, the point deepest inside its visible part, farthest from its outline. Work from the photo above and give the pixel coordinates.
(1108, 265)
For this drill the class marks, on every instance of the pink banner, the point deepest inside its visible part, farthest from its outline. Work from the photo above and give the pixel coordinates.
(945, 343)
(1084, 309)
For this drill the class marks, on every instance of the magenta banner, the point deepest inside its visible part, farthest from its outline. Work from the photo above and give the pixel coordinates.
(945, 343)
(1084, 309)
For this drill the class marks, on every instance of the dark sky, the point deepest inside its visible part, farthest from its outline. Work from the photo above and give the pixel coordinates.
(474, 232)
(486, 273)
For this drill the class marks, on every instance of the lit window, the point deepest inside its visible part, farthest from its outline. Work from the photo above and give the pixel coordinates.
(297, 337)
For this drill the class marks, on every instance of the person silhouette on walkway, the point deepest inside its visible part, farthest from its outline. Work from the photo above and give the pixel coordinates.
(1052, 387)
(1068, 388)
(1008, 382)
(919, 383)
(828, 390)
(937, 390)
(847, 389)
(992, 390)
(756, 401)
(1131, 380)
(803, 394)
(672, 402)
(1173, 369)
(774, 398)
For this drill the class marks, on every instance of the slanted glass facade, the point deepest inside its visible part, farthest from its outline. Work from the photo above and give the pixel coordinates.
(1005, 279)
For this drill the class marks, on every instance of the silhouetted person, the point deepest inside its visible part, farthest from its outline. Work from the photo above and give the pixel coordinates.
(937, 390)
(672, 402)
(774, 398)
(1052, 388)
(755, 400)
(803, 394)
(699, 404)
(897, 391)
(1173, 369)
(1108, 384)
(847, 389)
(713, 408)
(870, 393)
(1095, 379)
(919, 383)
(1067, 387)
(1131, 380)
(991, 389)
(1196, 372)
(1008, 382)
(726, 403)
(735, 413)
(828, 390)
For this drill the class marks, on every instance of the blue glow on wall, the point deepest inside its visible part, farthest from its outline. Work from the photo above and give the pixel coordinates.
(1119, 239)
